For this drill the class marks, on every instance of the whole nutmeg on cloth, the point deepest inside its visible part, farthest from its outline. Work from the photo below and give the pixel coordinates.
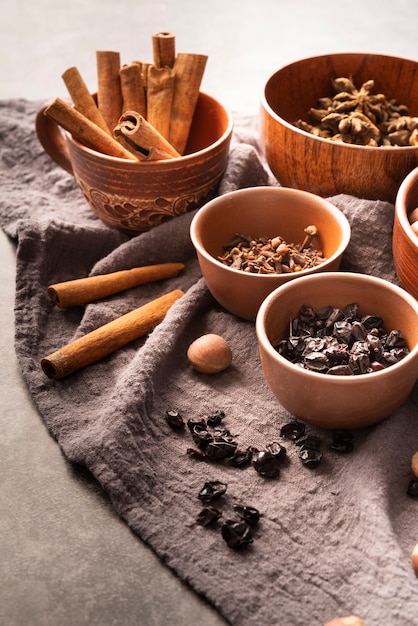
(351, 620)
(414, 559)
(209, 354)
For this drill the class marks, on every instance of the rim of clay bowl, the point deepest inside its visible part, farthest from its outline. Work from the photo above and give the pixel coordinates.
(265, 104)
(337, 213)
(400, 204)
(351, 380)
(187, 157)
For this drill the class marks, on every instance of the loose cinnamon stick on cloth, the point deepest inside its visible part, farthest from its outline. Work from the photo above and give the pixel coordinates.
(164, 49)
(189, 69)
(109, 93)
(82, 98)
(160, 92)
(136, 134)
(85, 131)
(108, 338)
(133, 88)
(92, 288)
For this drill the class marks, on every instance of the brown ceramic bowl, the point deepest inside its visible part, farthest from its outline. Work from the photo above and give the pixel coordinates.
(135, 196)
(257, 212)
(338, 401)
(325, 167)
(405, 240)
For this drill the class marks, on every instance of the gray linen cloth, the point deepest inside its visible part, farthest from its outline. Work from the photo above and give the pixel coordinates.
(331, 541)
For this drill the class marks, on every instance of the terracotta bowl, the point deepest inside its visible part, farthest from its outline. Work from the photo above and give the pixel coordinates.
(257, 212)
(338, 401)
(135, 196)
(325, 167)
(405, 240)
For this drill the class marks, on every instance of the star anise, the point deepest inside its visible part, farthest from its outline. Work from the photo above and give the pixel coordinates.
(357, 116)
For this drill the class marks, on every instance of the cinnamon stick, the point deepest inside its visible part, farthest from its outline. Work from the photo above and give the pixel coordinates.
(109, 93)
(136, 134)
(85, 131)
(82, 98)
(92, 288)
(160, 91)
(189, 69)
(108, 338)
(164, 49)
(133, 88)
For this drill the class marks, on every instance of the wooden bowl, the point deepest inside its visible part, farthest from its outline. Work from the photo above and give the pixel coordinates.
(331, 401)
(134, 196)
(325, 167)
(257, 212)
(405, 240)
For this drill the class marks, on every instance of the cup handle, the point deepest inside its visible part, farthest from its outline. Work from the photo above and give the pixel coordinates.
(53, 140)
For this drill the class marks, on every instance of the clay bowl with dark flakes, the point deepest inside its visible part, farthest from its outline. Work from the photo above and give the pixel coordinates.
(336, 401)
(263, 212)
(134, 196)
(323, 166)
(405, 234)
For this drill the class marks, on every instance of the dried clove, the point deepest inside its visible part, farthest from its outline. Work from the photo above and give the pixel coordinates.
(272, 255)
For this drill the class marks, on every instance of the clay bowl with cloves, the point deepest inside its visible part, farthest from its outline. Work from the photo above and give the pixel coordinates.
(360, 362)
(357, 136)
(405, 234)
(251, 241)
(133, 195)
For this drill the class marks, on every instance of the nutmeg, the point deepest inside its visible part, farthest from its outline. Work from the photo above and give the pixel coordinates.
(414, 559)
(209, 354)
(350, 620)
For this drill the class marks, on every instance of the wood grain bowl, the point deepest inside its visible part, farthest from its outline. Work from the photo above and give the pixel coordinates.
(323, 166)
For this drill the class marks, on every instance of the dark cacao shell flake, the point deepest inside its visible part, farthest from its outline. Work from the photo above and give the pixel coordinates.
(309, 441)
(266, 463)
(201, 436)
(240, 458)
(352, 311)
(249, 514)
(219, 449)
(212, 489)
(237, 534)
(208, 516)
(292, 430)
(196, 454)
(215, 418)
(310, 457)
(412, 489)
(342, 442)
(341, 342)
(198, 422)
(174, 418)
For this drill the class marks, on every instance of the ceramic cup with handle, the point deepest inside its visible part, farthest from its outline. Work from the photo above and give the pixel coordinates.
(135, 196)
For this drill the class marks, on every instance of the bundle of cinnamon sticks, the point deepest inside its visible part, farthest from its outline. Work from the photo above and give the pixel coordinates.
(143, 111)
